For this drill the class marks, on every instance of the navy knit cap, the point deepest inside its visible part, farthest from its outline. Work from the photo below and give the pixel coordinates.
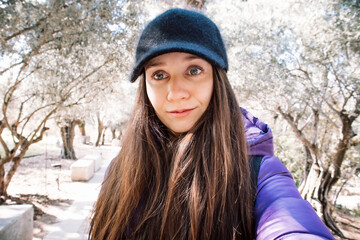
(179, 30)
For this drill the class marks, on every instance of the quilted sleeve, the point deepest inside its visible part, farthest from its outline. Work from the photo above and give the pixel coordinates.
(280, 211)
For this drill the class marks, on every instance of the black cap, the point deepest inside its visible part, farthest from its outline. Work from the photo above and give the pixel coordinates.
(180, 30)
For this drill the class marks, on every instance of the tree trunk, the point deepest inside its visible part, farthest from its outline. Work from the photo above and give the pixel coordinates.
(307, 167)
(81, 125)
(3, 191)
(67, 136)
(103, 137)
(113, 133)
(121, 130)
(316, 190)
(329, 179)
(100, 130)
(323, 174)
(120, 134)
(320, 180)
(5, 180)
(308, 162)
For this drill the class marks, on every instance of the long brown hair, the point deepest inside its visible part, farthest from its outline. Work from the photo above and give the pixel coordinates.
(193, 186)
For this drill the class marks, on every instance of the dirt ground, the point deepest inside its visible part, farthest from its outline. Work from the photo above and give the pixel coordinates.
(45, 182)
(348, 224)
(41, 181)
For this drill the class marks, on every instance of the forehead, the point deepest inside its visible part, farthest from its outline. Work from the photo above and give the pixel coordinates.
(162, 59)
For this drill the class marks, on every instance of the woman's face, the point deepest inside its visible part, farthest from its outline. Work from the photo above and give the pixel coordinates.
(179, 87)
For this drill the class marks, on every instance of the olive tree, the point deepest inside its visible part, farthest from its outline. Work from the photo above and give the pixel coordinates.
(43, 69)
(300, 60)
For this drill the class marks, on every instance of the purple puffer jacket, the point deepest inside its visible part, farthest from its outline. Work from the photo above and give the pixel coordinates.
(280, 211)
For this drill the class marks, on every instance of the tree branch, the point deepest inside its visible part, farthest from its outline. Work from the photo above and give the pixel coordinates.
(33, 113)
(329, 119)
(27, 28)
(10, 67)
(300, 135)
(11, 90)
(316, 124)
(82, 79)
(332, 107)
(21, 109)
(41, 126)
(339, 82)
(9, 93)
(3, 143)
(302, 113)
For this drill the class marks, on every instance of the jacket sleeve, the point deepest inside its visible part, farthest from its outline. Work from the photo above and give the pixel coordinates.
(280, 211)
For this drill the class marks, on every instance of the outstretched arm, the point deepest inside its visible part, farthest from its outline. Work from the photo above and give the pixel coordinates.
(280, 211)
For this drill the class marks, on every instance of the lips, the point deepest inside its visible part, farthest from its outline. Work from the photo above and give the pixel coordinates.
(179, 113)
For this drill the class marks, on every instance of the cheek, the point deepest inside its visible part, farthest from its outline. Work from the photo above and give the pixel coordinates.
(206, 92)
(153, 95)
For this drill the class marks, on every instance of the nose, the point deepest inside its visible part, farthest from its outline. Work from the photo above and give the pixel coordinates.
(177, 90)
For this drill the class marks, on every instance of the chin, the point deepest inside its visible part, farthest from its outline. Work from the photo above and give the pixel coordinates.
(180, 130)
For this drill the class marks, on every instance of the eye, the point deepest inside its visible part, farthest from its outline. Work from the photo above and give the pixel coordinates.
(159, 75)
(195, 70)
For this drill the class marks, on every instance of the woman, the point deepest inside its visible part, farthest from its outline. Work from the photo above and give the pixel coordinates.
(183, 171)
